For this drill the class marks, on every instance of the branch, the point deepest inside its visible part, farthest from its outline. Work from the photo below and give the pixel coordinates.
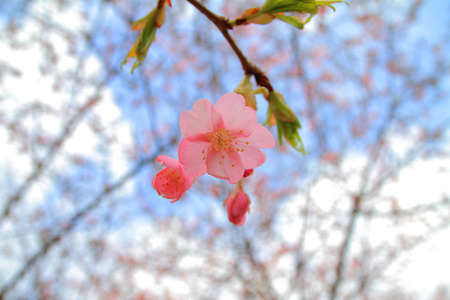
(43, 164)
(69, 127)
(345, 247)
(223, 25)
(72, 224)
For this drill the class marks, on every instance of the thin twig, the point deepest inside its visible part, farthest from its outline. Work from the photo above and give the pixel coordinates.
(223, 25)
(72, 224)
(345, 247)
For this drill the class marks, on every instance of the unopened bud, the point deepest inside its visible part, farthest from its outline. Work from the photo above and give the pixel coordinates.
(248, 172)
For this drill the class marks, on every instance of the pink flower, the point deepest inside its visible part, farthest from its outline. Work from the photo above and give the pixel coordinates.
(171, 182)
(238, 204)
(222, 140)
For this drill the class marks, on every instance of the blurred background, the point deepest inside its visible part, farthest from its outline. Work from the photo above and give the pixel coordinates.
(364, 215)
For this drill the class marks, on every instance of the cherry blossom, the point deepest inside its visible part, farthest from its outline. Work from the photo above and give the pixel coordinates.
(222, 140)
(171, 182)
(238, 204)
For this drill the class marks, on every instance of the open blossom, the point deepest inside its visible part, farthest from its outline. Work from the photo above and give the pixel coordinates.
(222, 140)
(238, 204)
(171, 182)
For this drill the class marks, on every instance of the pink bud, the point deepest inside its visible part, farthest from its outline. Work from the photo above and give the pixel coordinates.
(238, 204)
(248, 172)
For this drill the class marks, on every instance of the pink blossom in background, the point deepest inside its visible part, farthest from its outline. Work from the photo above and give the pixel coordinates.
(171, 182)
(222, 140)
(238, 204)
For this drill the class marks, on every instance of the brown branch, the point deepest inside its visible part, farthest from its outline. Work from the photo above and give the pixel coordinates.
(72, 224)
(223, 25)
(43, 164)
(266, 284)
(345, 247)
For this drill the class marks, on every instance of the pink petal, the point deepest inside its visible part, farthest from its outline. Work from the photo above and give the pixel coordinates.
(201, 120)
(252, 157)
(214, 164)
(225, 165)
(189, 181)
(260, 138)
(235, 115)
(234, 168)
(191, 156)
(169, 162)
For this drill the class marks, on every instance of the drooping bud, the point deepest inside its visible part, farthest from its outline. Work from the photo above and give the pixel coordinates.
(238, 205)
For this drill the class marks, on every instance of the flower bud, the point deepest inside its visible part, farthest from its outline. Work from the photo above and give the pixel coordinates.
(280, 108)
(248, 172)
(245, 89)
(287, 122)
(238, 204)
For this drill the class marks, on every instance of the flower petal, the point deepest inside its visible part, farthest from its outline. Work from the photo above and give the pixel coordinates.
(201, 120)
(191, 156)
(260, 138)
(234, 168)
(252, 157)
(214, 164)
(235, 115)
(169, 162)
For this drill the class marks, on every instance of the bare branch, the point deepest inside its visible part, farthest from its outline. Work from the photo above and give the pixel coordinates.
(73, 222)
(223, 25)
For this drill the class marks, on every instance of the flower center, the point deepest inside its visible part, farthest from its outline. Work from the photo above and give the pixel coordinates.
(172, 177)
(221, 139)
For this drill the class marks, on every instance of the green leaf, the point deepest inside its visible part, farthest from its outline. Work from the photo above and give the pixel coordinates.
(280, 132)
(144, 40)
(303, 6)
(287, 122)
(290, 132)
(293, 20)
(300, 6)
(148, 36)
(268, 5)
(328, 3)
(280, 108)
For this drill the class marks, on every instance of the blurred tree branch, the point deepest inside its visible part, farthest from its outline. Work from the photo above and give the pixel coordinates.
(71, 224)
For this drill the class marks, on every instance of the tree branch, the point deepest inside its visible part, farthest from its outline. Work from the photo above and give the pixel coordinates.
(72, 224)
(223, 25)
(345, 247)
